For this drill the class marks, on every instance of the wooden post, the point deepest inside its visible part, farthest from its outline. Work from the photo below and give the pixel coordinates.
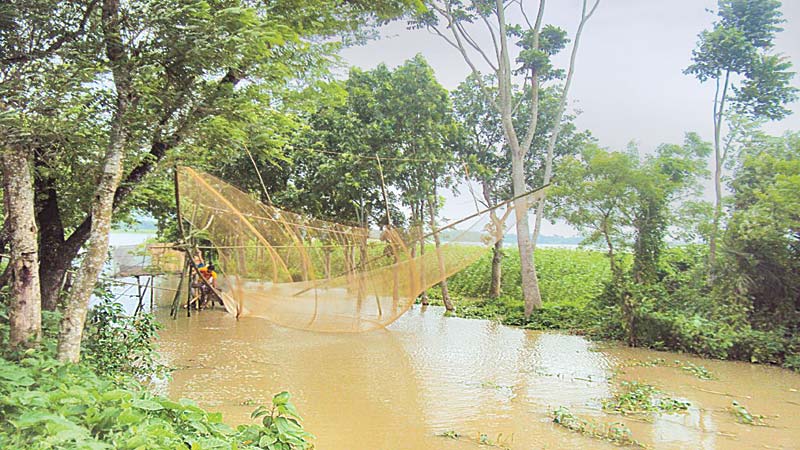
(176, 298)
(152, 292)
(139, 296)
(190, 265)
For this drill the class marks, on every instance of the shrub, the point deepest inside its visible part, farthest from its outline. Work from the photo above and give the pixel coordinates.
(46, 404)
(114, 343)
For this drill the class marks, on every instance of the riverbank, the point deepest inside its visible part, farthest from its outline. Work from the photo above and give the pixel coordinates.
(678, 313)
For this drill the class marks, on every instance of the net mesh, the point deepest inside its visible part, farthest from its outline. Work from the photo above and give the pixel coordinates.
(317, 275)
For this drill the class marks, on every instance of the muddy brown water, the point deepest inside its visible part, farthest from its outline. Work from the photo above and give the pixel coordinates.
(426, 374)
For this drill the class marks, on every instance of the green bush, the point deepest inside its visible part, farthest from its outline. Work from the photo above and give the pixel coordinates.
(114, 343)
(100, 404)
(46, 404)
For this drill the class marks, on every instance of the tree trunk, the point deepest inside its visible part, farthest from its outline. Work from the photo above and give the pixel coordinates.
(69, 339)
(25, 318)
(530, 284)
(497, 267)
(719, 161)
(615, 272)
(53, 263)
(497, 250)
(448, 304)
(421, 232)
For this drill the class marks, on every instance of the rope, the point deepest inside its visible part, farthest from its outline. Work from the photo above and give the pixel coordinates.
(258, 172)
(384, 158)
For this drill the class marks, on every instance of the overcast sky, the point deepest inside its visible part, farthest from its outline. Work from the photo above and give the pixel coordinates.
(628, 84)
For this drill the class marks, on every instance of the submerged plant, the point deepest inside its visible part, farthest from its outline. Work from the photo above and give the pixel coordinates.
(687, 366)
(637, 398)
(481, 439)
(615, 432)
(698, 371)
(744, 416)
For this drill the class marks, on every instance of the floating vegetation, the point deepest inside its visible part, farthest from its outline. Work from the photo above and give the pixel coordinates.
(686, 366)
(698, 371)
(493, 385)
(637, 398)
(481, 439)
(746, 417)
(615, 432)
(649, 362)
(452, 434)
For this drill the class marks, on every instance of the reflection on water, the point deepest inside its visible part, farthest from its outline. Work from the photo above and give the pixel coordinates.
(427, 374)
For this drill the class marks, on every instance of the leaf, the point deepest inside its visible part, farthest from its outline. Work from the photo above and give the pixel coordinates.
(147, 405)
(116, 395)
(127, 417)
(281, 399)
(267, 440)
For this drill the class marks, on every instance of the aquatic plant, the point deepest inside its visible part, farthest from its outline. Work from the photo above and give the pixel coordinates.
(615, 432)
(744, 416)
(635, 398)
(686, 366)
(481, 439)
(698, 371)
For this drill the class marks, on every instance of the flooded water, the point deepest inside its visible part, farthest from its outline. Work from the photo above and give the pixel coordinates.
(425, 375)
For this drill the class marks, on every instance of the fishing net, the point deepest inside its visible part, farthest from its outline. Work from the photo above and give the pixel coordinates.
(312, 274)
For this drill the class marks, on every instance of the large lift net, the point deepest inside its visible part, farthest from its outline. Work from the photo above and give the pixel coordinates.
(323, 276)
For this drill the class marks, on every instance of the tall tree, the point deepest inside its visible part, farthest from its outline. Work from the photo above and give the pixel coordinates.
(586, 14)
(402, 116)
(736, 54)
(484, 152)
(149, 75)
(483, 155)
(71, 331)
(30, 35)
(452, 21)
(187, 60)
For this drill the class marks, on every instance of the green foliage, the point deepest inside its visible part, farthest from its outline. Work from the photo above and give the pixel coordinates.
(761, 256)
(698, 371)
(744, 416)
(615, 432)
(481, 439)
(739, 44)
(117, 344)
(635, 398)
(46, 404)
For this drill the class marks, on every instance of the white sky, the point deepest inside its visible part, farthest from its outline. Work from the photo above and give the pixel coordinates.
(628, 84)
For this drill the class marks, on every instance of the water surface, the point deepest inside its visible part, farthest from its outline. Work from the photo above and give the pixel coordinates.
(425, 375)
